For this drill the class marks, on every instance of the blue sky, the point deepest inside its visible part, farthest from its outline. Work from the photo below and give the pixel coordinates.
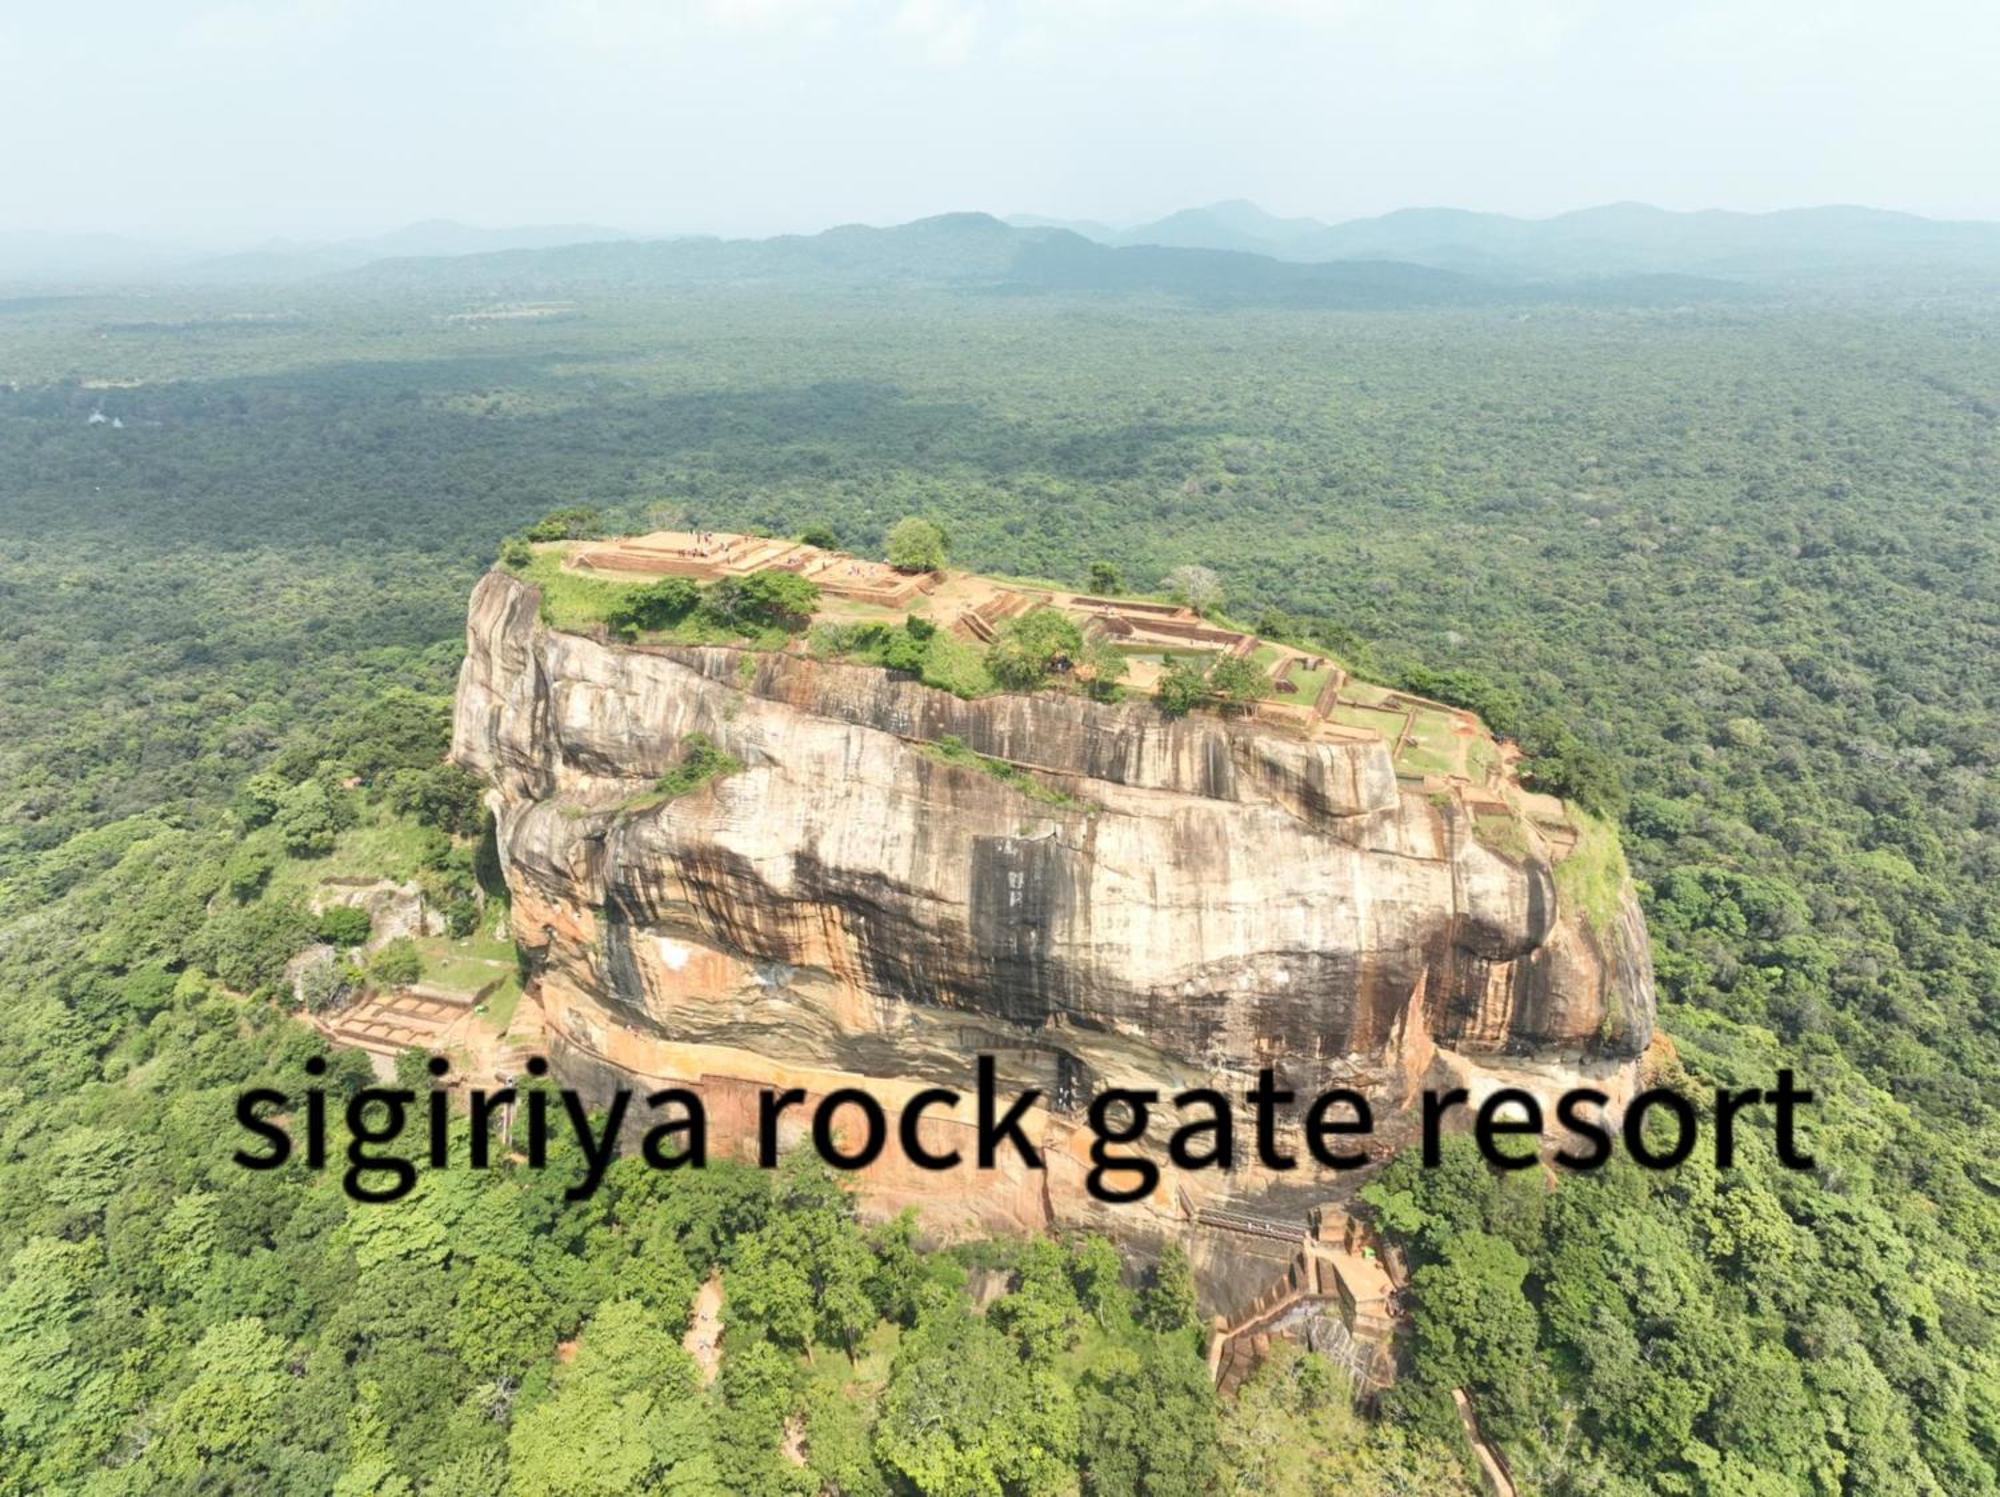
(319, 117)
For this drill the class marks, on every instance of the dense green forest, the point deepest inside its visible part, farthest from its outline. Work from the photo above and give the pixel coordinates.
(1741, 559)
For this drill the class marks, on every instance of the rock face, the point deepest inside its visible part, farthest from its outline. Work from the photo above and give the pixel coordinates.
(1183, 901)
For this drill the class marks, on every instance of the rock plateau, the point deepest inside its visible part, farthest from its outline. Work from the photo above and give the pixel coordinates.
(1188, 900)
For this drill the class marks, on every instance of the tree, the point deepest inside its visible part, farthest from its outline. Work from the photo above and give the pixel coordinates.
(1196, 586)
(624, 1417)
(1030, 649)
(916, 546)
(1106, 580)
(309, 818)
(257, 799)
(806, 1275)
(1237, 683)
(326, 985)
(247, 947)
(1183, 687)
(760, 1387)
(230, 1407)
(1099, 1272)
(1293, 1431)
(515, 553)
(964, 1416)
(822, 536)
(1168, 1303)
(398, 729)
(899, 1268)
(767, 599)
(441, 796)
(575, 523)
(344, 925)
(1475, 1326)
(1042, 1314)
(657, 605)
(1152, 1422)
(248, 870)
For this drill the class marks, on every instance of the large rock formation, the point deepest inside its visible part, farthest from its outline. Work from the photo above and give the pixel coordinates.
(1183, 902)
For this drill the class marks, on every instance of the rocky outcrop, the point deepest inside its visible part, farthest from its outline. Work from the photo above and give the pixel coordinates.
(394, 910)
(1177, 903)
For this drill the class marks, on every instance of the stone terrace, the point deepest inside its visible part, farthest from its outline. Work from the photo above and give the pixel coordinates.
(707, 555)
(1148, 632)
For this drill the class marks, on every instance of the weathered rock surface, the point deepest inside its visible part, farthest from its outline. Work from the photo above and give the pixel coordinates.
(1211, 898)
(394, 910)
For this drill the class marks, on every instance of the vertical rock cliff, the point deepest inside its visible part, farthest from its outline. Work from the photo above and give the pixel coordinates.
(1150, 902)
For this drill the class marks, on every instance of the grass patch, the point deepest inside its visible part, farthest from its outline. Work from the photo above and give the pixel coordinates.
(569, 601)
(952, 750)
(1592, 878)
(1504, 834)
(1364, 694)
(574, 603)
(1309, 682)
(1480, 758)
(1386, 724)
(1418, 760)
(506, 998)
(380, 845)
(465, 965)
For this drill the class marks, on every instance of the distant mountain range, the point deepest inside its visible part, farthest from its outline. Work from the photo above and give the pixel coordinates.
(1621, 238)
(978, 251)
(1625, 253)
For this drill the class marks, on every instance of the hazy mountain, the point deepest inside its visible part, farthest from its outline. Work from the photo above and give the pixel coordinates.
(1089, 228)
(283, 260)
(1617, 239)
(1234, 225)
(977, 251)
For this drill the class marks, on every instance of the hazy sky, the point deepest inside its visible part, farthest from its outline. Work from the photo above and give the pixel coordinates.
(219, 120)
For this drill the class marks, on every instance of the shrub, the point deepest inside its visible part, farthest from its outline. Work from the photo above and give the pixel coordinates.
(398, 964)
(701, 761)
(344, 925)
(903, 651)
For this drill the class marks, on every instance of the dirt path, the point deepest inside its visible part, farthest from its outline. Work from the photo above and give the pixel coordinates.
(1491, 1467)
(704, 1338)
